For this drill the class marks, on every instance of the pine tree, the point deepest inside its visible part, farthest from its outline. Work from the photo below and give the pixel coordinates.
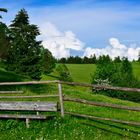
(4, 40)
(25, 54)
(48, 62)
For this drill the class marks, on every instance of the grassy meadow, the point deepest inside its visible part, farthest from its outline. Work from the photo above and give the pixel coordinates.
(70, 127)
(82, 72)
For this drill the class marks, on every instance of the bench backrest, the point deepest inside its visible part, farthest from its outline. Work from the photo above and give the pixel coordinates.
(28, 106)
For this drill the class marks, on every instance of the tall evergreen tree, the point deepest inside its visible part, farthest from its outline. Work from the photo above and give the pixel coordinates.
(26, 53)
(4, 41)
(48, 62)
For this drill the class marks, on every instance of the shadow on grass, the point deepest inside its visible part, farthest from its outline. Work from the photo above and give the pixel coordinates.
(122, 126)
(113, 128)
(104, 128)
(12, 77)
(57, 77)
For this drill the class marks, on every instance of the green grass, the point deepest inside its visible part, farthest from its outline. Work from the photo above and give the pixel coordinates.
(83, 72)
(70, 127)
(75, 128)
(79, 72)
(136, 69)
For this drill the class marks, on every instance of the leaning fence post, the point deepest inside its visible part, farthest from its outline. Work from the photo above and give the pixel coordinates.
(61, 99)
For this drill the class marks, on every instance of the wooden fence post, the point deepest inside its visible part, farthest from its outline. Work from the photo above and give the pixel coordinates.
(61, 99)
(27, 123)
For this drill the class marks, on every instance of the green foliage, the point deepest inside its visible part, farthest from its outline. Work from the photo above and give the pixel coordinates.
(64, 73)
(117, 59)
(48, 61)
(118, 73)
(105, 69)
(25, 55)
(78, 60)
(4, 41)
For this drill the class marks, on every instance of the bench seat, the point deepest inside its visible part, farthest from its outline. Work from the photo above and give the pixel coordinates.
(28, 106)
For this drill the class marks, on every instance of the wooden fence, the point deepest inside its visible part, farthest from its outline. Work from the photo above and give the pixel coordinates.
(63, 99)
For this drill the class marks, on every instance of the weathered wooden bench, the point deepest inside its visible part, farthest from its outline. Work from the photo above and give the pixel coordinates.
(27, 106)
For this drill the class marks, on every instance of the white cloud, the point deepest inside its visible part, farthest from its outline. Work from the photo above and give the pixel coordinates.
(115, 49)
(59, 43)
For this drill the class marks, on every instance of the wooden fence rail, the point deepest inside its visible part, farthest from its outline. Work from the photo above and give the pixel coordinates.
(73, 83)
(103, 119)
(28, 83)
(62, 98)
(102, 104)
(101, 86)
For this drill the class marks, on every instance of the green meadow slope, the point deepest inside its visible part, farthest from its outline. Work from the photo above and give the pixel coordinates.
(70, 127)
(79, 72)
(82, 72)
(136, 69)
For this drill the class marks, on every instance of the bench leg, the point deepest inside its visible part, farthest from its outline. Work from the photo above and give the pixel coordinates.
(27, 123)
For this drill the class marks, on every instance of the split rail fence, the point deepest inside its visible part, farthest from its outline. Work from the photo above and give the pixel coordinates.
(45, 106)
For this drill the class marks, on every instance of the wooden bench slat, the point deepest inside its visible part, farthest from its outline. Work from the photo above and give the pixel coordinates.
(20, 116)
(34, 96)
(11, 92)
(28, 106)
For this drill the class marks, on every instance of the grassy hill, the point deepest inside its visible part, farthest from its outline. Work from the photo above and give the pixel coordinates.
(73, 128)
(136, 69)
(83, 72)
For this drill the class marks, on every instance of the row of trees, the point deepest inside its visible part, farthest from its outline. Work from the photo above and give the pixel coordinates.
(21, 51)
(87, 60)
(78, 60)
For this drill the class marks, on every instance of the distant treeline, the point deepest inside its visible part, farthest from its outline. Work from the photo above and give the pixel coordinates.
(86, 60)
(78, 60)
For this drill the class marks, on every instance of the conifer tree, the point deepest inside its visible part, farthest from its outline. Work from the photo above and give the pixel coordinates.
(25, 54)
(4, 40)
(48, 61)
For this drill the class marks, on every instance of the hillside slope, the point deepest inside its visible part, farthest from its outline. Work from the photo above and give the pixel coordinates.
(69, 127)
(82, 72)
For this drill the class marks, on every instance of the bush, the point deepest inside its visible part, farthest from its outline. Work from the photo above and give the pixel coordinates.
(115, 74)
(64, 74)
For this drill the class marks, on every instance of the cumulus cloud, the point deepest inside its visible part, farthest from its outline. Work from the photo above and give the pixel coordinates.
(60, 43)
(115, 49)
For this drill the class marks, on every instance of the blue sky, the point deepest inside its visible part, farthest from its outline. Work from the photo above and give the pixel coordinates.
(90, 23)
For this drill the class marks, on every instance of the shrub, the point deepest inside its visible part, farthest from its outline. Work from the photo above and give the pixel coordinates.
(64, 73)
(115, 74)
